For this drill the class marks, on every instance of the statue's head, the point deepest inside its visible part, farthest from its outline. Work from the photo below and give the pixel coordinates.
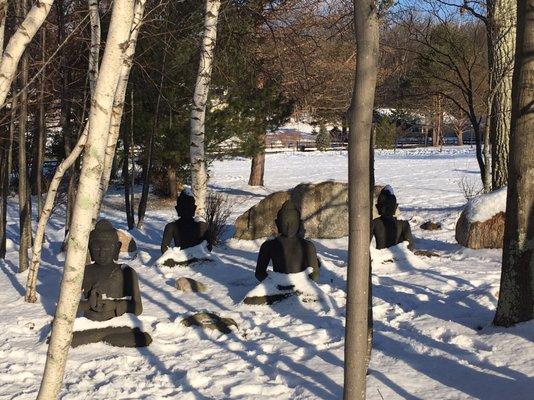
(288, 219)
(104, 244)
(185, 204)
(386, 203)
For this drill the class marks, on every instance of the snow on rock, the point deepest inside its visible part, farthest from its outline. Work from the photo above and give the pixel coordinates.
(129, 320)
(179, 256)
(483, 207)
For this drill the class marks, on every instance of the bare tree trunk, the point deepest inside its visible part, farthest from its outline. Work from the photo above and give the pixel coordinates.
(94, 52)
(18, 43)
(361, 113)
(91, 174)
(257, 169)
(199, 173)
(143, 201)
(171, 179)
(486, 179)
(24, 210)
(118, 105)
(31, 294)
(502, 21)
(128, 189)
(516, 295)
(3, 17)
(42, 128)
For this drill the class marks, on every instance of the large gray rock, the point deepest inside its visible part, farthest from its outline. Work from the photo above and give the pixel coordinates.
(323, 207)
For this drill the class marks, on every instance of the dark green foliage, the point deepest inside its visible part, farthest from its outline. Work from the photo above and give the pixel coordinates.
(386, 133)
(323, 139)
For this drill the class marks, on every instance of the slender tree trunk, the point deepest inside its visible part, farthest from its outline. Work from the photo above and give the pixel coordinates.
(516, 295)
(361, 115)
(502, 21)
(199, 173)
(126, 171)
(118, 105)
(486, 179)
(147, 167)
(94, 52)
(42, 128)
(3, 17)
(91, 174)
(478, 148)
(171, 178)
(24, 210)
(257, 168)
(31, 294)
(18, 43)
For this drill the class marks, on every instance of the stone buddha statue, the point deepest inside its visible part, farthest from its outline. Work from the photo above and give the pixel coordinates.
(387, 229)
(185, 232)
(289, 252)
(109, 290)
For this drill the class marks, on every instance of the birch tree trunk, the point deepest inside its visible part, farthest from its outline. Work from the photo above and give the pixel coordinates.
(516, 295)
(199, 173)
(17, 45)
(31, 283)
(3, 17)
(94, 51)
(361, 113)
(118, 105)
(99, 124)
(502, 26)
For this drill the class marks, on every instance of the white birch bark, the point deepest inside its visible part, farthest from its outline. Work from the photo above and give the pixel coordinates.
(31, 283)
(94, 51)
(118, 105)
(17, 44)
(3, 17)
(199, 174)
(99, 121)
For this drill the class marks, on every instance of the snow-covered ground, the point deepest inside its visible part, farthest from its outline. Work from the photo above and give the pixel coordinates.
(433, 337)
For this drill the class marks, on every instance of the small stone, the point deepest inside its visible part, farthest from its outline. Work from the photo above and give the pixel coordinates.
(189, 285)
(208, 320)
(431, 226)
(426, 253)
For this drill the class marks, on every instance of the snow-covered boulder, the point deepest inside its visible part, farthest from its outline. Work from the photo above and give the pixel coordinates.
(176, 256)
(481, 223)
(278, 286)
(323, 207)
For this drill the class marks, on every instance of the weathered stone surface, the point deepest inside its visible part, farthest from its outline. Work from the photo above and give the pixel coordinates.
(209, 320)
(189, 285)
(431, 226)
(488, 234)
(323, 208)
(128, 244)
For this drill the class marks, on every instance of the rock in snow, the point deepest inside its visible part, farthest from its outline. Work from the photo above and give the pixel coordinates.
(481, 223)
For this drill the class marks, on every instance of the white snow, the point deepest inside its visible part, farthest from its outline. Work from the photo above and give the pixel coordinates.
(433, 337)
(130, 320)
(198, 252)
(484, 206)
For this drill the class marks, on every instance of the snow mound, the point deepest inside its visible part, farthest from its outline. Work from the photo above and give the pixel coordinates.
(400, 255)
(483, 207)
(277, 283)
(129, 320)
(178, 255)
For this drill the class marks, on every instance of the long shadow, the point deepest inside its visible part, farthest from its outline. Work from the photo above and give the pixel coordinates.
(9, 270)
(477, 384)
(392, 385)
(235, 191)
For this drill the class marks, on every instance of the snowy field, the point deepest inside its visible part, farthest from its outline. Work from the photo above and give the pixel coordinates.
(433, 337)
